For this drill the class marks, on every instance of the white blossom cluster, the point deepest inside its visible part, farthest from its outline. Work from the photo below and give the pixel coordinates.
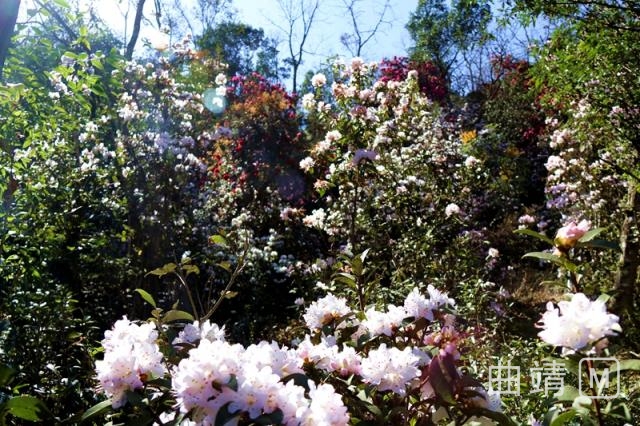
(217, 373)
(577, 324)
(131, 356)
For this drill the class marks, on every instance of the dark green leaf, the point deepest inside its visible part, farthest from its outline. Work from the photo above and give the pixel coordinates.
(597, 243)
(535, 234)
(299, 379)
(274, 418)
(176, 315)
(96, 410)
(6, 374)
(27, 408)
(549, 257)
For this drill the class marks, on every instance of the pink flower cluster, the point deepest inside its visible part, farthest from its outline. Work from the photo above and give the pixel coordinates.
(569, 235)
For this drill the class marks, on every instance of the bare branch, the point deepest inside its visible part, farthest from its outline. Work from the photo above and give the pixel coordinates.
(356, 41)
(305, 14)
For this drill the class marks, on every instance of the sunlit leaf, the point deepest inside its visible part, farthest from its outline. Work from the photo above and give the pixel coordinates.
(164, 270)
(590, 235)
(218, 239)
(146, 296)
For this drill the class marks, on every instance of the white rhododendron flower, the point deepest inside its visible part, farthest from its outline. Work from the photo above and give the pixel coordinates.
(212, 362)
(390, 368)
(452, 209)
(131, 355)
(438, 298)
(386, 323)
(282, 361)
(315, 219)
(318, 80)
(418, 306)
(308, 102)
(191, 333)
(323, 311)
(326, 407)
(307, 163)
(578, 323)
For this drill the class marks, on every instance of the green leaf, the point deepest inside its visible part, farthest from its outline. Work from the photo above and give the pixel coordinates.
(219, 240)
(62, 3)
(176, 315)
(535, 234)
(344, 278)
(549, 257)
(6, 374)
(191, 269)
(225, 265)
(590, 235)
(597, 243)
(164, 270)
(27, 408)
(96, 410)
(146, 296)
(564, 418)
(299, 379)
(224, 416)
(630, 364)
(97, 63)
(569, 393)
(274, 418)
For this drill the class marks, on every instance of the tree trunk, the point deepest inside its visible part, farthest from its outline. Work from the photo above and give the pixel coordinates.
(8, 16)
(627, 275)
(136, 30)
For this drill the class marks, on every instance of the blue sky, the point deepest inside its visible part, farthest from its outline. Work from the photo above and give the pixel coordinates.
(324, 41)
(332, 20)
(393, 39)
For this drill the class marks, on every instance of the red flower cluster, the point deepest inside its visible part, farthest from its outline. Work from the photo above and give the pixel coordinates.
(430, 79)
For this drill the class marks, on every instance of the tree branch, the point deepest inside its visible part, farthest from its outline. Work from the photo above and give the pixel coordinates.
(8, 16)
(136, 30)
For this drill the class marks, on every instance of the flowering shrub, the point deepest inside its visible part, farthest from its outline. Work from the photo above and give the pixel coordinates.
(381, 165)
(346, 369)
(430, 80)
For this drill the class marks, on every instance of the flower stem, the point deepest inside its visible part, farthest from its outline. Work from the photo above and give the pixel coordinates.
(596, 402)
